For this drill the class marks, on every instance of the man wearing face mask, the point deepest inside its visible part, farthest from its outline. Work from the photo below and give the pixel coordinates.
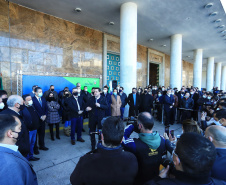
(146, 101)
(186, 103)
(15, 169)
(4, 97)
(31, 119)
(40, 105)
(51, 89)
(123, 97)
(15, 105)
(169, 102)
(108, 98)
(76, 106)
(2, 105)
(134, 103)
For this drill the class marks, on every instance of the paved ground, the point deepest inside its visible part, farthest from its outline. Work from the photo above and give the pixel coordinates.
(57, 164)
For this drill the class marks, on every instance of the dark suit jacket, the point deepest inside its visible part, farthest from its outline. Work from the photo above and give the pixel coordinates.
(73, 106)
(146, 102)
(168, 101)
(23, 141)
(108, 98)
(133, 108)
(15, 169)
(100, 110)
(41, 110)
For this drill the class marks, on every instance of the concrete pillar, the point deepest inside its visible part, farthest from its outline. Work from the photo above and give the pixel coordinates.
(197, 68)
(175, 61)
(128, 47)
(209, 73)
(223, 78)
(218, 75)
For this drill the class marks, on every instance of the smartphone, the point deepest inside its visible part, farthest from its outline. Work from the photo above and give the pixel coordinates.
(172, 133)
(178, 137)
(167, 130)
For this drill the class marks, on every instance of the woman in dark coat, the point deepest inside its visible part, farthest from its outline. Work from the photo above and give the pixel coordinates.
(66, 113)
(53, 115)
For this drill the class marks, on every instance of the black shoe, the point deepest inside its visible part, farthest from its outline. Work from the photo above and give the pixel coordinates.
(73, 142)
(52, 138)
(36, 152)
(58, 137)
(34, 159)
(43, 148)
(81, 140)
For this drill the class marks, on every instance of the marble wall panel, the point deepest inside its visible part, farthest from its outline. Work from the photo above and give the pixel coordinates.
(167, 70)
(113, 46)
(141, 66)
(187, 74)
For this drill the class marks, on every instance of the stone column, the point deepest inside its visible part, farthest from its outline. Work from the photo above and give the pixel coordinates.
(175, 61)
(197, 68)
(218, 75)
(128, 47)
(223, 78)
(209, 73)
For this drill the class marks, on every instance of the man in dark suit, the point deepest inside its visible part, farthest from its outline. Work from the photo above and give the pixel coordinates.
(123, 97)
(15, 105)
(186, 103)
(146, 101)
(86, 96)
(109, 164)
(51, 89)
(108, 98)
(96, 106)
(40, 105)
(168, 105)
(134, 103)
(15, 169)
(217, 135)
(195, 96)
(76, 106)
(32, 93)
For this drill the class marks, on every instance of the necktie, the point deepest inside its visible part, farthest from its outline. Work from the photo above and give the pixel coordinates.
(40, 101)
(77, 103)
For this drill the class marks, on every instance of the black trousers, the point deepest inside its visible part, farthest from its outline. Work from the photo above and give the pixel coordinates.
(173, 114)
(178, 115)
(40, 136)
(185, 115)
(51, 130)
(93, 124)
(168, 117)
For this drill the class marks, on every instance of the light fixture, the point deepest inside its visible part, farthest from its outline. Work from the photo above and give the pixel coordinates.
(209, 5)
(151, 39)
(78, 9)
(164, 45)
(221, 26)
(224, 31)
(111, 23)
(213, 14)
(218, 20)
(188, 56)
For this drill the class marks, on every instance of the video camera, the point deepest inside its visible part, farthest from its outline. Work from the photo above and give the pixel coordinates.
(165, 162)
(132, 120)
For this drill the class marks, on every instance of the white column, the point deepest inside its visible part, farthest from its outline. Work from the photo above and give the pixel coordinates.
(197, 68)
(128, 47)
(209, 73)
(175, 61)
(218, 75)
(223, 78)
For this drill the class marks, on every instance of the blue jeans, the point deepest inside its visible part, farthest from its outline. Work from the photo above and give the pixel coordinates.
(76, 122)
(122, 109)
(67, 123)
(32, 138)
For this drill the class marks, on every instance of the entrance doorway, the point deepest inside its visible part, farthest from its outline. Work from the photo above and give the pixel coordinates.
(154, 74)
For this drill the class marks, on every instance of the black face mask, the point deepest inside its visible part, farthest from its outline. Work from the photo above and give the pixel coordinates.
(52, 90)
(19, 135)
(75, 93)
(145, 91)
(92, 93)
(51, 99)
(134, 92)
(67, 95)
(21, 107)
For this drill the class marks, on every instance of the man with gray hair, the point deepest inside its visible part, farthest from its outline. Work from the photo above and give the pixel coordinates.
(217, 135)
(15, 105)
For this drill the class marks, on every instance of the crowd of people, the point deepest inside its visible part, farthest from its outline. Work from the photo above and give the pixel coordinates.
(197, 156)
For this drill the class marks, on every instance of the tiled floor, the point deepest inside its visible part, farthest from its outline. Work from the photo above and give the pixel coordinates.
(56, 165)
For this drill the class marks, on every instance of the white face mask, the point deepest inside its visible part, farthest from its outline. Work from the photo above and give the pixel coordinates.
(2, 105)
(40, 94)
(30, 103)
(79, 90)
(208, 97)
(105, 91)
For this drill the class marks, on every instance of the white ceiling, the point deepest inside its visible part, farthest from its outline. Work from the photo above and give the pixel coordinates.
(157, 19)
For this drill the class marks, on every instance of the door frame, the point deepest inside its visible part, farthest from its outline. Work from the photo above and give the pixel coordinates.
(161, 66)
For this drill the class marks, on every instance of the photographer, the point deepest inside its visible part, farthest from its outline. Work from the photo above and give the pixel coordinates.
(109, 164)
(193, 158)
(148, 149)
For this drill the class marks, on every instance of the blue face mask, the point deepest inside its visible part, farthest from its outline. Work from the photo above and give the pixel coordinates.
(40, 94)
(208, 97)
(159, 95)
(204, 96)
(115, 93)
